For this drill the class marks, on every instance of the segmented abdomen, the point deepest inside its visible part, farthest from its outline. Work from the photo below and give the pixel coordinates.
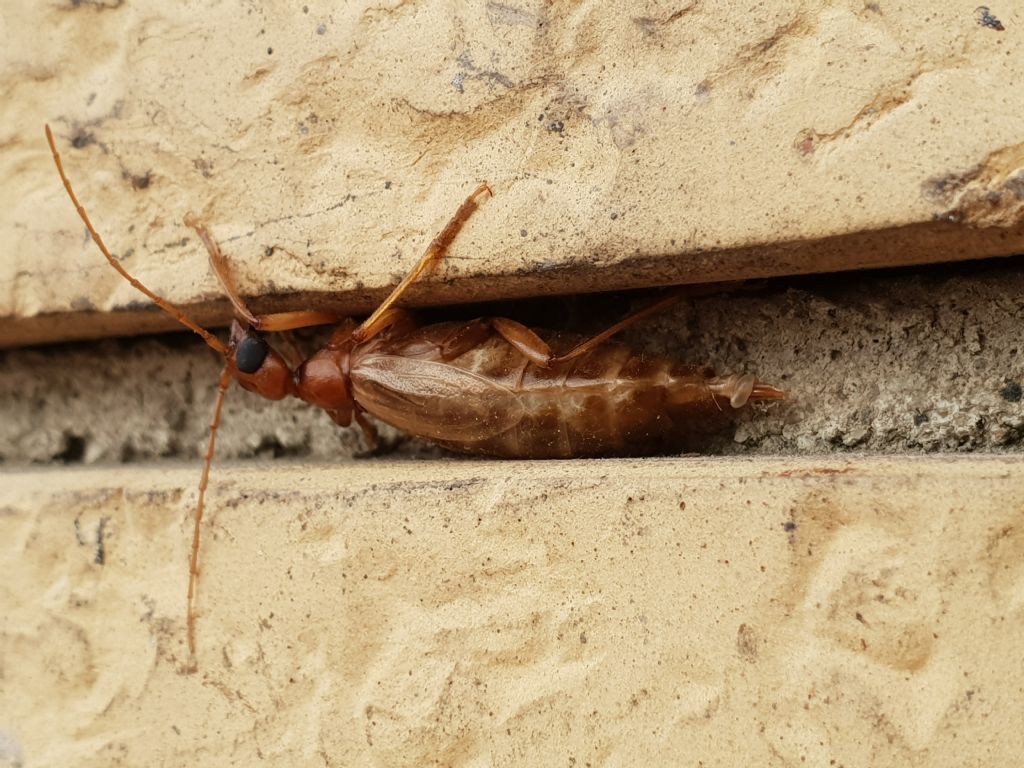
(612, 401)
(490, 400)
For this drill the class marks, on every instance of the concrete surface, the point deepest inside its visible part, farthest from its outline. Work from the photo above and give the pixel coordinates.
(886, 361)
(658, 612)
(637, 144)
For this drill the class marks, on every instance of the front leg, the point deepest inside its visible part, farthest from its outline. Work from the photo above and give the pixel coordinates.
(279, 321)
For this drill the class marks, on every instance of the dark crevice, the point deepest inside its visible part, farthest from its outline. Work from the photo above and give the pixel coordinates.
(73, 451)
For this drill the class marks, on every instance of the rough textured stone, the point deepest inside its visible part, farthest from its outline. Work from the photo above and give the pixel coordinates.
(714, 612)
(629, 144)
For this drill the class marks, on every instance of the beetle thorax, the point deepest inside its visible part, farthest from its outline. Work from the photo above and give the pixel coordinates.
(323, 379)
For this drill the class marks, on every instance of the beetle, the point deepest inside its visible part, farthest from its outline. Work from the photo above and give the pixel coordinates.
(489, 386)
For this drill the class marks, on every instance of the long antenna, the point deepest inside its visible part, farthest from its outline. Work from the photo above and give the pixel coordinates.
(165, 305)
(193, 563)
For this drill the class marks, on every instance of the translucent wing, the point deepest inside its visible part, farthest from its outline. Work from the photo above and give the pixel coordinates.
(438, 401)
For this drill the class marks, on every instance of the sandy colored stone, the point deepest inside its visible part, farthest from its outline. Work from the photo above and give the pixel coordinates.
(628, 144)
(662, 612)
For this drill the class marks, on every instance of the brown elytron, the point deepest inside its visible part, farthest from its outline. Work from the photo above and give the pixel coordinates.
(489, 386)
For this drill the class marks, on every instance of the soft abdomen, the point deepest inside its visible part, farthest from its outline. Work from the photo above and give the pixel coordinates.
(490, 400)
(612, 402)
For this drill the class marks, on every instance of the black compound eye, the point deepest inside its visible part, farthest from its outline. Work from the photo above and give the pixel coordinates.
(250, 354)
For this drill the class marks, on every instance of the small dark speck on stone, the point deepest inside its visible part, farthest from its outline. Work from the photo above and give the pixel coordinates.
(1011, 392)
(321, 29)
(920, 418)
(615, 216)
(387, 185)
(82, 139)
(305, 9)
(556, 126)
(522, 233)
(141, 181)
(270, 51)
(789, 526)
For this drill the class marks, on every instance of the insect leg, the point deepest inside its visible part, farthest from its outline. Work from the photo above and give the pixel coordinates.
(289, 321)
(539, 353)
(369, 430)
(220, 268)
(654, 307)
(391, 317)
(526, 341)
(592, 343)
(193, 567)
(280, 321)
(434, 253)
(465, 337)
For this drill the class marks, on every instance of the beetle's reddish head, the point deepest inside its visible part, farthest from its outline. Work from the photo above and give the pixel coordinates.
(257, 366)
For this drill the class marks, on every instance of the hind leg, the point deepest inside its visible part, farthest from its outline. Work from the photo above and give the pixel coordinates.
(539, 353)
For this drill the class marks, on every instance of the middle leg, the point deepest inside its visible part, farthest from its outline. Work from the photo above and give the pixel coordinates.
(434, 253)
(278, 321)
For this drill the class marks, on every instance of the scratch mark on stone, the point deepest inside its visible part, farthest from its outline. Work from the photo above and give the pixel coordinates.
(881, 104)
(509, 15)
(765, 57)
(473, 72)
(650, 25)
(290, 217)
